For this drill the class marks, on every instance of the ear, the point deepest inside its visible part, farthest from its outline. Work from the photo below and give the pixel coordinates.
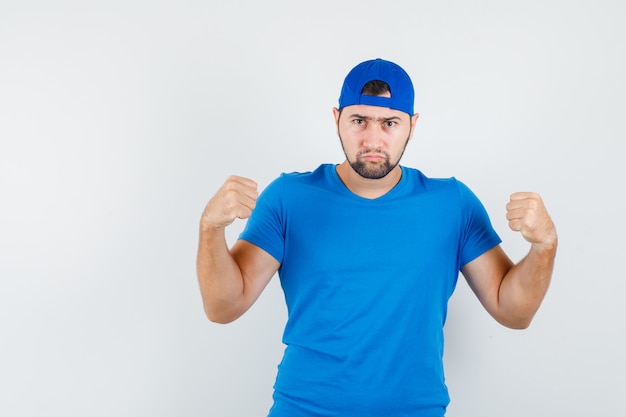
(413, 122)
(336, 113)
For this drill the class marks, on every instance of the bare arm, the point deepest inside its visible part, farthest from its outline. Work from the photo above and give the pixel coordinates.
(230, 280)
(512, 293)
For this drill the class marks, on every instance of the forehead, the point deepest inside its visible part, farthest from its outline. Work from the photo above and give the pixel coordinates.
(374, 112)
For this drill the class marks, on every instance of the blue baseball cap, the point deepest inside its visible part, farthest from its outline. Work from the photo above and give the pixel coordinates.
(402, 93)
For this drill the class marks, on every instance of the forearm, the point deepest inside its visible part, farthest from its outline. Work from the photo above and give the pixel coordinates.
(219, 276)
(525, 285)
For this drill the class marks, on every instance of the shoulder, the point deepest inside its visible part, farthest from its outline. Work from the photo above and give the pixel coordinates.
(321, 172)
(449, 191)
(322, 176)
(290, 185)
(418, 181)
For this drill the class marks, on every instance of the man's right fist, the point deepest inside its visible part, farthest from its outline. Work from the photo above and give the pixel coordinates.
(234, 200)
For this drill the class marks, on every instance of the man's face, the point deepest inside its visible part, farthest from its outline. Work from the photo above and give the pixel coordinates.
(373, 138)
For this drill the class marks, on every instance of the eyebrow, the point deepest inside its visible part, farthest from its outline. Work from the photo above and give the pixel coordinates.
(369, 118)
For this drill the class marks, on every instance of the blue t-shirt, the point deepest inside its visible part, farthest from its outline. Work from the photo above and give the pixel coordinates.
(367, 283)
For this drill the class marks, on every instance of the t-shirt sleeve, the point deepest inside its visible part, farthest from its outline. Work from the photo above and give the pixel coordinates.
(265, 226)
(478, 235)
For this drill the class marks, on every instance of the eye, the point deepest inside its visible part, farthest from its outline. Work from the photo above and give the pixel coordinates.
(390, 123)
(358, 122)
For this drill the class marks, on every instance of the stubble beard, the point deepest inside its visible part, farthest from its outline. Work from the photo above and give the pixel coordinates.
(372, 170)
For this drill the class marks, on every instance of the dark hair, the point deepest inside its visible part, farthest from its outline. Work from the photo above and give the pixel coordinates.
(375, 88)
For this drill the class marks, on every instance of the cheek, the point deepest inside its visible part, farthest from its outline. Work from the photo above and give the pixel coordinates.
(350, 129)
(349, 134)
(349, 143)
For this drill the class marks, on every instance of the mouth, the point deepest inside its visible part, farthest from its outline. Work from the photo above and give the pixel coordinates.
(372, 157)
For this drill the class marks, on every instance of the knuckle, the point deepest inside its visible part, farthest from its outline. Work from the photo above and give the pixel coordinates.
(229, 185)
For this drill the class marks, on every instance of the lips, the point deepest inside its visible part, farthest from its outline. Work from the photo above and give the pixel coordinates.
(370, 156)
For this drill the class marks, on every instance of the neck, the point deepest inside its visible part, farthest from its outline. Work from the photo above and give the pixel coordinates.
(366, 187)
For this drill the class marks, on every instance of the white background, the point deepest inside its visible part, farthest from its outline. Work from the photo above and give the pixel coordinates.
(120, 119)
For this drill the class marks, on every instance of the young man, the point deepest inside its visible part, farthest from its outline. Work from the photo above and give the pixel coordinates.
(368, 253)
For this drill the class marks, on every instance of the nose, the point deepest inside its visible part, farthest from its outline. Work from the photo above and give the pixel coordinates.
(373, 136)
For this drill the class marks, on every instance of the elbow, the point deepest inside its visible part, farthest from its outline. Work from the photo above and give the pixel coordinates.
(220, 316)
(519, 325)
(217, 319)
(516, 323)
(516, 317)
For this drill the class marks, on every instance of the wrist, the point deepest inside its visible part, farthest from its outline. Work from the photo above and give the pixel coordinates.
(549, 244)
(208, 227)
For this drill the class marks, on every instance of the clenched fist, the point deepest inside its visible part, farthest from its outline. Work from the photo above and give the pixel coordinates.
(527, 214)
(234, 200)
